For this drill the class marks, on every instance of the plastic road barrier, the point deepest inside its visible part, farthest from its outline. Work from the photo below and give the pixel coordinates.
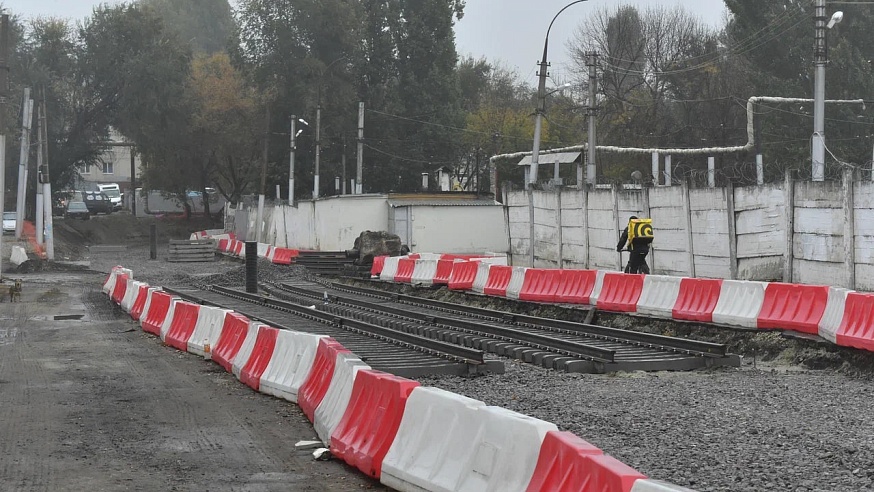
(120, 288)
(390, 268)
(239, 248)
(263, 250)
(424, 272)
(259, 358)
(432, 447)
(463, 275)
(182, 326)
(793, 307)
(517, 279)
(371, 421)
(207, 330)
(834, 314)
(562, 465)
(333, 406)
(313, 390)
(659, 296)
(234, 332)
(139, 305)
(576, 286)
(158, 308)
(404, 273)
(739, 303)
(857, 326)
(620, 292)
(290, 364)
(482, 276)
(222, 245)
(541, 285)
(242, 358)
(378, 263)
(131, 291)
(697, 299)
(505, 449)
(284, 256)
(444, 271)
(499, 279)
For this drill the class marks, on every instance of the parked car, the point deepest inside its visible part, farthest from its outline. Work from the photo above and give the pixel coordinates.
(9, 222)
(77, 210)
(97, 202)
(113, 191)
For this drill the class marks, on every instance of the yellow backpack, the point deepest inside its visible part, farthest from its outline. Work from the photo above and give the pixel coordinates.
(640, 230)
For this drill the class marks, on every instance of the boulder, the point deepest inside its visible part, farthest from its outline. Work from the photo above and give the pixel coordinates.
(371, 244)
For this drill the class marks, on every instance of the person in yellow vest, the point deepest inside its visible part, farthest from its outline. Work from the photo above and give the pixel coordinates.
(636, 238)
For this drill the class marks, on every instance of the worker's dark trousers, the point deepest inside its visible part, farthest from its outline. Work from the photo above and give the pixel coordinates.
(637, 262)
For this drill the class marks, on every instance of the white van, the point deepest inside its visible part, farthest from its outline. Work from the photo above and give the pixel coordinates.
(113, 191)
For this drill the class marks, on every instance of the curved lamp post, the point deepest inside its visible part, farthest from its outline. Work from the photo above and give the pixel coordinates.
(294, 134)
(820, 61)
(541, 100)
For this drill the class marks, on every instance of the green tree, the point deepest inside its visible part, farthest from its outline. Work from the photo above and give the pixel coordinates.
(207, 24)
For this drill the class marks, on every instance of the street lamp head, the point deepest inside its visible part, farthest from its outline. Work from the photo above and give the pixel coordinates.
(298, 133)
(303, 121)
(837, 17)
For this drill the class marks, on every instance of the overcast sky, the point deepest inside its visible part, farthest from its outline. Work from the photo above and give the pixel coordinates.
(511, 31)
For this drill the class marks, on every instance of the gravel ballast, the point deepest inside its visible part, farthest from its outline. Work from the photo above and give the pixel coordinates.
(771, 427)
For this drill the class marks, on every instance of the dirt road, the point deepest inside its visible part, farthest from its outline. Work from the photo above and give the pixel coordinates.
(95, 404)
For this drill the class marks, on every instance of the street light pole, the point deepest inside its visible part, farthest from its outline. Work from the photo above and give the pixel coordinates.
(291, 161)
(541, 100)
(318, 146)
(820, 56)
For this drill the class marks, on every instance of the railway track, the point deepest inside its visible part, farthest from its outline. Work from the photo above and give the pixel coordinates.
(382, 348)
(562, 345)
(541, 341)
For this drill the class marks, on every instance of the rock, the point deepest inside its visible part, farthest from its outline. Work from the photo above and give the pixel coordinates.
(371, 244)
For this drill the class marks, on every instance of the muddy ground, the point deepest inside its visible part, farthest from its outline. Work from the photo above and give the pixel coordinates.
(93, 403)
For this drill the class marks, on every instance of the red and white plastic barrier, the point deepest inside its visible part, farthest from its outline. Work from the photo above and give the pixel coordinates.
(389, 268)
(314, 389)
(620, 292)
(424, 272)
(739, 303)
(207, 330)
(857, 325)
(517, 280)
(579, 286)
(241, 358)
(234, 332)
(659, 296)
(793, 307)
(482, 277)
(259, 357)
(404, 273)
(498, 280)
(155, 315)
(139, 305)
(371, 420)
(178, 331)
(290, 364)
(333, 406)
(463, 275)
(831, 320)
(697, 299)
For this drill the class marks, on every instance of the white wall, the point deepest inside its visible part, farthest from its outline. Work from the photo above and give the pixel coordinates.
(459, 229)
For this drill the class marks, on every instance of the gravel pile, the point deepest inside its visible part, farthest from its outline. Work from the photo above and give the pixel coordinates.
(770, 427)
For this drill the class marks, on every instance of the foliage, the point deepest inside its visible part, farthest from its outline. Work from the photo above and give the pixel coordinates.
(207, 24)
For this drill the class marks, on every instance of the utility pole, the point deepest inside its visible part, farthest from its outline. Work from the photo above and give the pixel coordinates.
(318, 146)
(291, 161)
(26, 121)
(820, 59)
(260, 215)
(39, 169)
(4, 97)
(359, 172)
(592, 113)
(47, 182)
(538, 118)
(133, 180)
(757, 135)
(343, 163)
